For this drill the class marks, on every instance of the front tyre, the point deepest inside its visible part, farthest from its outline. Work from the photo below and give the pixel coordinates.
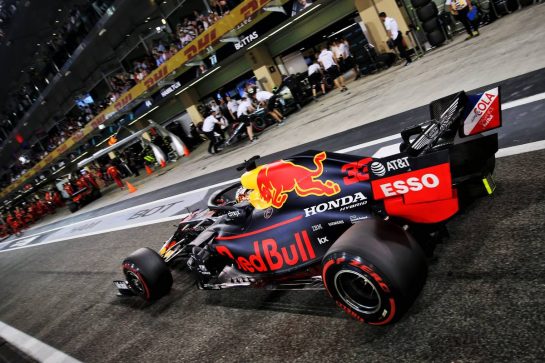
(147, 274)
(374, 271)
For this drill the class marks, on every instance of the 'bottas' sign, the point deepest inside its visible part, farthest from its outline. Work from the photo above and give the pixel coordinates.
(246, 40)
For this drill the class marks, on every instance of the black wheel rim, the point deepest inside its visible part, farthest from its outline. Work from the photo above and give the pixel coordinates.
(134, 283)
(358, 291)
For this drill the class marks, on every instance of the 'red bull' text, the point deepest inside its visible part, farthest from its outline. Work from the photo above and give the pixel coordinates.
(268, 256)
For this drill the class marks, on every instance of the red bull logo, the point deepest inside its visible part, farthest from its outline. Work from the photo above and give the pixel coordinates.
(271, 183)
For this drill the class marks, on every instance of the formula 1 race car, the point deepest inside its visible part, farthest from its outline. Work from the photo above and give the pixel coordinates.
(359, 227)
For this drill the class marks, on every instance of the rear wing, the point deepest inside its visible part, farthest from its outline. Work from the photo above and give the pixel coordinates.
(474, 113)
(459, 113)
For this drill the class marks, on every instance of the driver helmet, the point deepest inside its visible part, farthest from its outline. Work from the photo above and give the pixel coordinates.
(242, 194)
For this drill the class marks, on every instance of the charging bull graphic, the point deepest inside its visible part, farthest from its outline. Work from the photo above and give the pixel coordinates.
(271, 183)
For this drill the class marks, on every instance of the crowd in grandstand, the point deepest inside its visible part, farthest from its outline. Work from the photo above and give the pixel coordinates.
(7, 10)
(186, 29)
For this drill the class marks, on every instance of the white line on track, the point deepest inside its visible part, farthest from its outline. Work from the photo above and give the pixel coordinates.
(33, 347)
(108, 230)
(521, 149)
(370, 143)
(534, 146)
(523, 101)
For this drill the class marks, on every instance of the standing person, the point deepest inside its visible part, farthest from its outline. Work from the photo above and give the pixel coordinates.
(294, 85)
(221, 128)
(244, 109)
(20, 215)
(397, 38)
(316, 77)
(224, 110)
(208, 126)
(267, 100)
(460, 9)
(232, 106)
(132, 162)
(147, 156)
(52, 196)
(90, 178)
(335, 48)
(68, 188)
(349, 60)
(331, 66)
(14, 223)
(250, 87)
(115, 174)
(214, 106)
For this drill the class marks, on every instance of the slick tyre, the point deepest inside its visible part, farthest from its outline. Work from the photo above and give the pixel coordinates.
(427, 12)
(512, 5)
(430, 25)
(95, 194)
(72, 207)
(147, 274)
(374, 271)
(419, 3)
(436, 37)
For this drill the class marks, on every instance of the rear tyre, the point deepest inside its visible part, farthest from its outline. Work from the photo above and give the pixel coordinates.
(430, 25)
(72, 207)
(147, 274)
(374, 271)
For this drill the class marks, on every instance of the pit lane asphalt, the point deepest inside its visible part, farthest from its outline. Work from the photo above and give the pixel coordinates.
(483, 301)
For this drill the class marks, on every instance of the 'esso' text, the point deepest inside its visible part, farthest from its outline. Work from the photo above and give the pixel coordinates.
(414, 184)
